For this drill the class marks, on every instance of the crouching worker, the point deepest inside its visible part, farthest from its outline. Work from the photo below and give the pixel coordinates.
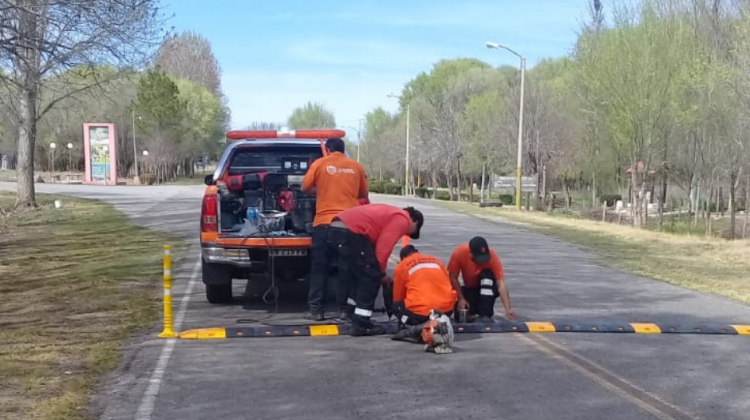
(484, 280)
(423, 301)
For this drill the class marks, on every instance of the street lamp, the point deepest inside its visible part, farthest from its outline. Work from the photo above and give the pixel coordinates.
(495, 45)
(70, 157)
(359, 135)
(53, 146)
(406, 166)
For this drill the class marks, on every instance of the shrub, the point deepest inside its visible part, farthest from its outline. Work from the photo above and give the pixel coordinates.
(384, 187)
(506, 199)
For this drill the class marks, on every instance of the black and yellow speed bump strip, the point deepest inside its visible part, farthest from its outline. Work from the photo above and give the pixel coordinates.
(322, 330)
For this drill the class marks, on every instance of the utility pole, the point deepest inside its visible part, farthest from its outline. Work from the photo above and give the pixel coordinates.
(519, 171)
(406, 177)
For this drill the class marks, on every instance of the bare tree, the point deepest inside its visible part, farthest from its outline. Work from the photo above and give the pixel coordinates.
(41, 40)
(189, 56)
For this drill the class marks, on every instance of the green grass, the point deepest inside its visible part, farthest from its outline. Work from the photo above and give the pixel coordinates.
(76, 283)
(709, 265)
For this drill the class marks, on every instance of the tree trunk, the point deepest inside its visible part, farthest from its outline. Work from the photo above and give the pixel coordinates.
(471, 190)
(593, 189)
(697, 206)
(481, 193)
(26, 139)
(708, 212)
(747, 209)
(732, 205)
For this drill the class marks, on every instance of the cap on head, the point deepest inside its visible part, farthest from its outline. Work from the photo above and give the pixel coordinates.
(480, 251)
(335, 145)
(406, 251)
(416, 216)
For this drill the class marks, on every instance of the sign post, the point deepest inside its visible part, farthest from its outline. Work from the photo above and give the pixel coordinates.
(100, 151)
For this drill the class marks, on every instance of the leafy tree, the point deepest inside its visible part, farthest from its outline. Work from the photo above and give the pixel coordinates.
(311, 116)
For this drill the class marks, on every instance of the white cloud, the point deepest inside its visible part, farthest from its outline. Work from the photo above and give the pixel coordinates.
(272, 96)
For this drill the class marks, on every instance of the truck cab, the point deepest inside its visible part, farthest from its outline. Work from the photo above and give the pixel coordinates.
(255, 219)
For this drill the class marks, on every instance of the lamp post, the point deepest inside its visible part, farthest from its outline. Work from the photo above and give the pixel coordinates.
(359, 135)
(495, 45)
(70, 157)
(53, 146)
(406, 166)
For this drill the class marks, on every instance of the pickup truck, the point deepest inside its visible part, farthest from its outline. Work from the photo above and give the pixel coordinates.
(254, 217)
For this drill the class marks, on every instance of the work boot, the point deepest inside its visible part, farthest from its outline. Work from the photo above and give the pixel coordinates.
(365, 327)
(344, 317)
(314, 316)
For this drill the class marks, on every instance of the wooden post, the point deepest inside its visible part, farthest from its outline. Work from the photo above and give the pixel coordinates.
(528, 200)
(747, 208)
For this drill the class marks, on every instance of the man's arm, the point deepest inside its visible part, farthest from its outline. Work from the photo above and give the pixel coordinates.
(364, 188)
(398, 227)
(399, 283)
(505, 296)
(308, 182)
(453, 269)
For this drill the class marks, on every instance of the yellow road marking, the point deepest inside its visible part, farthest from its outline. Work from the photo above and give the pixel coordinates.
(321, 330)
(540, 327)
(646, 328)
(204, 334)
(742, 329)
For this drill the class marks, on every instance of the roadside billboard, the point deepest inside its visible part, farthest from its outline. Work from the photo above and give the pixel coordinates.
(100, 151)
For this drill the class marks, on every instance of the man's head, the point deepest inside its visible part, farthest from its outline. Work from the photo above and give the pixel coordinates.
(335, 145)
(417, 220)
(480, 251)
(406, 251)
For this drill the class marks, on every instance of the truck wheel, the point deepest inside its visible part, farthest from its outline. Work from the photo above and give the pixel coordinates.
(219, 293)
(218, 281)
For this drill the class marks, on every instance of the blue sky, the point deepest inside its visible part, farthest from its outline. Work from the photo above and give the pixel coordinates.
(348, 55)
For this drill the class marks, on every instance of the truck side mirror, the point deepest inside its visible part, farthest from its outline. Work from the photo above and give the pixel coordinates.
(209, 179)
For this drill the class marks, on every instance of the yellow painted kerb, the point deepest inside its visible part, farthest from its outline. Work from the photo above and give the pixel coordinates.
(646, 328)
(322, 330)
(742, 329)
(204, 334)
(540, 327)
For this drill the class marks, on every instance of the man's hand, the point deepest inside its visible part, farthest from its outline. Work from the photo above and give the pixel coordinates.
(462, 304)
(386, 280)
(511, 314)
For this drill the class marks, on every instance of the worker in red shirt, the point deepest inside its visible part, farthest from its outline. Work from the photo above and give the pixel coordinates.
(484, 280)
(339, 183)
(421, 284)
(365, 237)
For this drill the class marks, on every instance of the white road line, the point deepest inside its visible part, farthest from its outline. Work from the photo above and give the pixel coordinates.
(146, 408)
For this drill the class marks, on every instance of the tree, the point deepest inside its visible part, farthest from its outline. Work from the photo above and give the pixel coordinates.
(311, 116)
(189, 56)
(162, 114)
(43, 38)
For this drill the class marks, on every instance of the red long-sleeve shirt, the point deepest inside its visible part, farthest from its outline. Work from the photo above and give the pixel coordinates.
(381, 223)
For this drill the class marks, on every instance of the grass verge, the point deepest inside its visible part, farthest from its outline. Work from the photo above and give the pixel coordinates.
(76, 283)
(704, 264)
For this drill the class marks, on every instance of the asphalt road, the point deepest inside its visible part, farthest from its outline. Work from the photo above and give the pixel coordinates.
(506, 376)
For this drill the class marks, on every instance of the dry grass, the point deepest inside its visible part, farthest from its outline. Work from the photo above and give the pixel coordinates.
(76, 282)
(708, 265)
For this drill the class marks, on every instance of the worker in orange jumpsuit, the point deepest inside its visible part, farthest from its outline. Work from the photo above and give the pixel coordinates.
(365, 237)
(339, 183)
(484, 280)
(420, 284)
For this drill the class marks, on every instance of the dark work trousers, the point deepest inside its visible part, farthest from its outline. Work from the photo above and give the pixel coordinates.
(481, 298)
(361, 271)
(406, 317)
(321, 257)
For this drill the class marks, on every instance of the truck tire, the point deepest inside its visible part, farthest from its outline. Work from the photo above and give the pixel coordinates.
(218, 281)
(219, 293)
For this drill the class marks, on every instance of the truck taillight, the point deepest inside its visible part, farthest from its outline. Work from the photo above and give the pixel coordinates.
(209, 213)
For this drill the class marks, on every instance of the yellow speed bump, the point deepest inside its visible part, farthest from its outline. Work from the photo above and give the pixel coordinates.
(204, 334)
(742, 329)
(323, 330)
(646, 328)
(541, 327)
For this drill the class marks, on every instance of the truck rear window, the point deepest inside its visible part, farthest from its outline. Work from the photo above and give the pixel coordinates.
(268, 158)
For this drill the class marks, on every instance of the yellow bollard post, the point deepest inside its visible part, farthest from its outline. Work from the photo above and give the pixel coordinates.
(168, 331)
